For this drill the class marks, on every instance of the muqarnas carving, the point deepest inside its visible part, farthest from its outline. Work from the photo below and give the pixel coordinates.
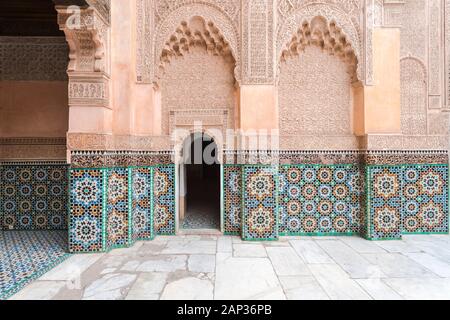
(194, 35)
(326, 35)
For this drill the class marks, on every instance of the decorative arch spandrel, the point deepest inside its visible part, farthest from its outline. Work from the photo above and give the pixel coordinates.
(157, 21)
(347, 22)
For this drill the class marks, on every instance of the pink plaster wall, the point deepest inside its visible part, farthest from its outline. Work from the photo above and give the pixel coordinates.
(258, 107)
(122, 66)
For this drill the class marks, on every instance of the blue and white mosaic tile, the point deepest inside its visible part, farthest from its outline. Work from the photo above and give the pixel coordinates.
(26, 255)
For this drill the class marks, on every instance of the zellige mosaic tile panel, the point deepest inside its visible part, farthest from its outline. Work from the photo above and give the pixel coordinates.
(259, 212)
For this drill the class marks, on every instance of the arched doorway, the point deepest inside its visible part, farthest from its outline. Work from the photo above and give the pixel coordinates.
(200, 184)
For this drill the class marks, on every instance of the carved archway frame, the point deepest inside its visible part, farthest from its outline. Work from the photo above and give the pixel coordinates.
(152, 38)
(331, 14)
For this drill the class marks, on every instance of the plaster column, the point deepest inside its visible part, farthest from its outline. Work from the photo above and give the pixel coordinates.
(87, 32)
(382, 111)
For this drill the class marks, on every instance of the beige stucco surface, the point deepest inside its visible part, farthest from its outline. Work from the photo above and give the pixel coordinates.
(33, 109)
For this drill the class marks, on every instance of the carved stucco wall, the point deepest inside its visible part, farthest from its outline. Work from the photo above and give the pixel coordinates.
(198, 86)
(347, 15)
(424, 82)
(158, 20)
(315, 95)
(33, 58)
(447, 48)
(413, 96)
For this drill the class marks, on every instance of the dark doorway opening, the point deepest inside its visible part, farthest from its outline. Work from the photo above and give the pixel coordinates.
(202, 184)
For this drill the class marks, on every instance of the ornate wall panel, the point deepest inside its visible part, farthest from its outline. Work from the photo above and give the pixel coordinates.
(232, 199)
(13, 149)
(186, 93)
(258, 41)
(89, 40)
(260, 203)
(373, 17)
(425, 199)
(315, 95)
(413, 83)
(33, 196)
(118, 218)
(423, 29)
(447, 49)
(319, 199)
(435, 53)
(158, 20)
(114, 207)
(406, 199)
(345, 14)
(164, 200)
(33, 58)
(142, 204)
(87, 210)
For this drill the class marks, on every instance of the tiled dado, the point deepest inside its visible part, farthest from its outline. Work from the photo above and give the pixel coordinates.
(320, 199)
(374, 201)
(33, 196)
(114, 207)
(406, 199)
(260, 203)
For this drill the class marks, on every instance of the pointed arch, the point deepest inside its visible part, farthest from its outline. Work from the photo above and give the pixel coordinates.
(327, 36)
(334, 17)
(195, 33)
(214, 18)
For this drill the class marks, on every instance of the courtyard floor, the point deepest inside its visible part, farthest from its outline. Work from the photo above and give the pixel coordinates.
(210, 267)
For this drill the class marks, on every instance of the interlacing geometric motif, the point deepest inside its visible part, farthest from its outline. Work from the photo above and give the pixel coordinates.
(407, 199)
(142, 207)
(114, 207)
(164, 200)
(25, 256)
(87, 209)
(425, 199)
(259, 216)
(321, 199)
(232, 199)
(117, 223)
(33, 197)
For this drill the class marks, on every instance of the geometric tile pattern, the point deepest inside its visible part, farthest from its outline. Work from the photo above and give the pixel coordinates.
(164, 199)
(33, 197)
(112, 208)
(117, 218)
(142, 204)
(384, 207)
(425, 199)
(407, 199)
(319, 199)
(25, 256)
(232, 199)
(260, 212)
(87, 210)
